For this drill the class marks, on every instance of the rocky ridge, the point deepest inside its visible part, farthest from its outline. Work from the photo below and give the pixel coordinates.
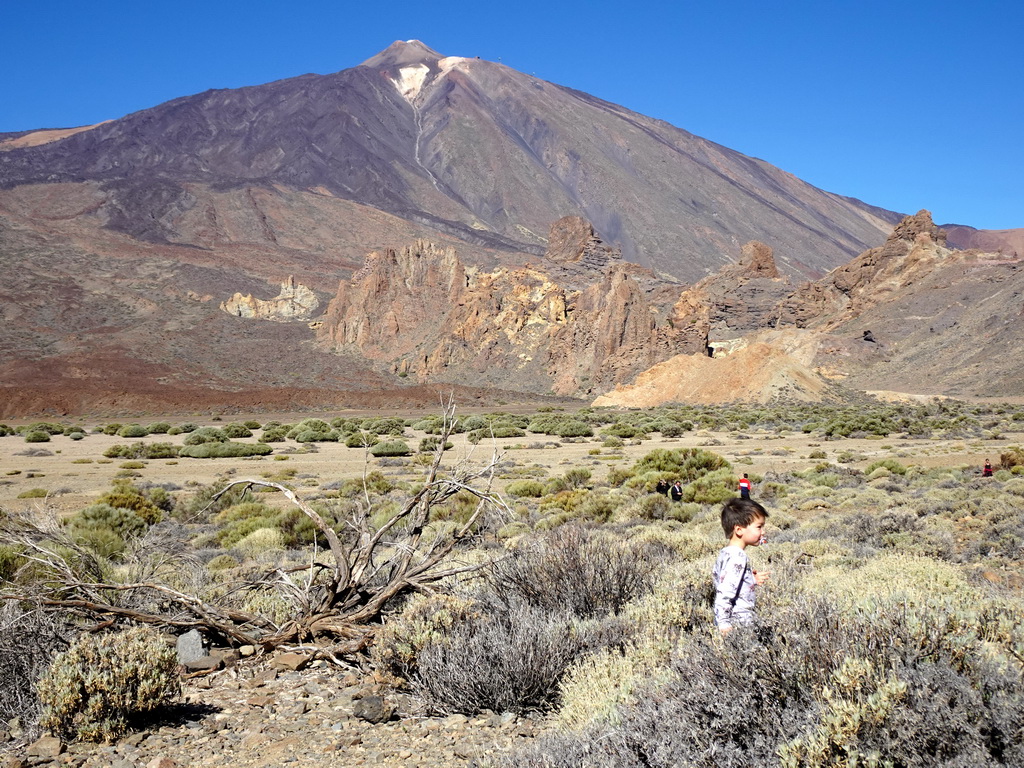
(579, 321)
(294, 302)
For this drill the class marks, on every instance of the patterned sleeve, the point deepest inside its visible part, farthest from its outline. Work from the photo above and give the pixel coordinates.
(729, 573)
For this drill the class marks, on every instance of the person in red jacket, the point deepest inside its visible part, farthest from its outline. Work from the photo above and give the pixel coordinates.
(745, 486)
(987, 469)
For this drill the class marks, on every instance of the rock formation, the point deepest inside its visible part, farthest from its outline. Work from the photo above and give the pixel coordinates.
(420, 312)
(294, 302)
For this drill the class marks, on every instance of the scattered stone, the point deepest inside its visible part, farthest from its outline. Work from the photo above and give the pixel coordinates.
(246, 651)
(373, 709)
(291, 661)
(260, 701)
(13, 761)
(204, 664)
(46, 746)
(190, 647)
(162, 762)
(228, 656)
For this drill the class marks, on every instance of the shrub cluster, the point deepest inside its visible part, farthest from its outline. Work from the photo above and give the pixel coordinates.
(92, 690)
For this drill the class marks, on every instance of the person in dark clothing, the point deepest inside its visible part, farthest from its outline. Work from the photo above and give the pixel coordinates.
(676, 491)
(662, 487)
(987, 469)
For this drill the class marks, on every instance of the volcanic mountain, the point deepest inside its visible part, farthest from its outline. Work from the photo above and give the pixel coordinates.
(180, 257)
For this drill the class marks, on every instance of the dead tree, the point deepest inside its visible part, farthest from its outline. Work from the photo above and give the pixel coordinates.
(336, 597)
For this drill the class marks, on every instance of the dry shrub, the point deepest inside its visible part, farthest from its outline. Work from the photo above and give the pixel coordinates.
(28, 641)
(505, 661)
(816, 686)
(576, 570)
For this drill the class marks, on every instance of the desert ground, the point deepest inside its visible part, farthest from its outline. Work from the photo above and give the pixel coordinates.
(75, 473)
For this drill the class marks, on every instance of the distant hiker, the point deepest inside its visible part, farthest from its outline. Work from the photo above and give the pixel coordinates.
(987, 469)
(677, 491)
(662, 487)
(868, 336)
(743, 521)
(745, 486)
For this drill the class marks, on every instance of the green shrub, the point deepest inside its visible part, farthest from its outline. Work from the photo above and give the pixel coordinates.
(430, 444)
(124, 495)
(132, 430)
(48, 427)
(76, 435)
(274, 435)
(893, 466)
(123, 522)
(361, 440)
(236, 430)
(142, 451)
(158, 428)
(205, 435)
(391, 448)
(578, 477)
(111, 429)
(37, 436)
(91, 690)
(525, 489)
(225, 450)
(221, 563)
(34, 493)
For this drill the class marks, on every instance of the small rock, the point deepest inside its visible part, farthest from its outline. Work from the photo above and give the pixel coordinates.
(373, 709)
(246, 651)
(12, 761)
(291, 661)
(134, 739)
(162, 762)
(47, 746)
(228, 656)
(190, 647)
(260, 701)
(203, 664)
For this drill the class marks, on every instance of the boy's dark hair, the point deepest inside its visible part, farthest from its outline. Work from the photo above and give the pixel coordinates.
(740, 512)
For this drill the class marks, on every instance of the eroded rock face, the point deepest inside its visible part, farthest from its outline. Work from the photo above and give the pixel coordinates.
(419, 311)
(739, 298)
(915, 244)
(294, 302)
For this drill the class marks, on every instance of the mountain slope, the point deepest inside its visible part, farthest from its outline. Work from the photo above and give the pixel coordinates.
(468, 147)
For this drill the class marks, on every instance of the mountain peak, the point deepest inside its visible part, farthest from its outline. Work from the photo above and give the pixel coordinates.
(404, 53)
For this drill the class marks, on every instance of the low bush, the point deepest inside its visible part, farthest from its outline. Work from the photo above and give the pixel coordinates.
(142, 451)
(225, 450)
(28, 642)
(132, 430)
(391, 448)
(894, 684)
(574, 570)
(93, 689)
(361, 440)
(236, 430)
(499, 661)
(205, 435)
(525, 489)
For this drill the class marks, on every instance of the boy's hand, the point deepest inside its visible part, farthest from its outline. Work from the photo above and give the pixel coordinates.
(760, 577)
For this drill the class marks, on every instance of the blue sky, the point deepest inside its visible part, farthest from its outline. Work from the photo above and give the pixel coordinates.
(905, 105)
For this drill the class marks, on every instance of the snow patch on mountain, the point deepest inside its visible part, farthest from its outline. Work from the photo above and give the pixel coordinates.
(410, 80)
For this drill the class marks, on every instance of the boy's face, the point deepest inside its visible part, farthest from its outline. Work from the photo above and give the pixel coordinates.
(751, 534)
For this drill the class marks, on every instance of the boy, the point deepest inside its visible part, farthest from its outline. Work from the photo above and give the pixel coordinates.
(743, 521)
(745, 486)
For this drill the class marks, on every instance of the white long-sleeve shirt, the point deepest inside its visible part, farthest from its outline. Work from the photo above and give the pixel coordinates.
(734, 588)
